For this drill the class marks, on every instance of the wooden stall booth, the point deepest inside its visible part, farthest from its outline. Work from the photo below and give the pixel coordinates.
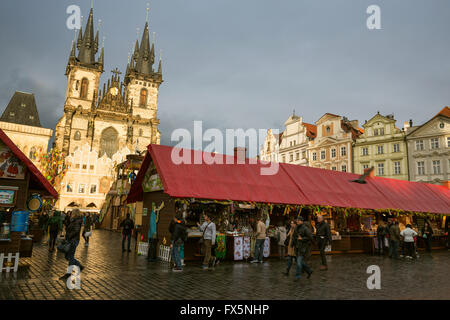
(234, 191)
(20, 181)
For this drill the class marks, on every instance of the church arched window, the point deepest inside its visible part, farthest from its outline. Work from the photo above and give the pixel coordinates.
(143, 98)
(32, 154)
(109, 142)
(84, 88)
(140, 132)
(77, 135)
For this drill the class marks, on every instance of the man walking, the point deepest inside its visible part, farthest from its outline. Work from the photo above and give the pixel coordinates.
(260, 239)
(178, 237)
(128, 226)
(394, 240)
(323, 238)
(303, 238)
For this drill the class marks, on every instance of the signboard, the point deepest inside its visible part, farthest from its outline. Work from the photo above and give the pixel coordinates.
(144, 212)
(10, 166)
(8, 196)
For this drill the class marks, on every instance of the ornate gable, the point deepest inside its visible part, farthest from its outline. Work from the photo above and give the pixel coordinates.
(114, 96)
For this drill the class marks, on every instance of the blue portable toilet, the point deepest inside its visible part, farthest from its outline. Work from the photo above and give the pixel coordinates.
(19, 221)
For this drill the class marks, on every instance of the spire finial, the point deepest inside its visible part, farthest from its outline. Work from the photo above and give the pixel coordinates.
(99, 24)
(137, 33)
(103, 41)
(92, 4)
(154, 37)
(147, 9)
(81, 21)
(160, 54)
(128, 61)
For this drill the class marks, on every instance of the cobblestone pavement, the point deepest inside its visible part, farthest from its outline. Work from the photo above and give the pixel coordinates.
(109, 274)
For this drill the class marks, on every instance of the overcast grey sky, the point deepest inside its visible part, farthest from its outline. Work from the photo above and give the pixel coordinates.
(246, 63)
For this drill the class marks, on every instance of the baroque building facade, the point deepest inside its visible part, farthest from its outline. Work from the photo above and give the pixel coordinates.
(429, 149)
(101, 125)
(20, 121)
(383, 147)
(332, 147)
(270, 149)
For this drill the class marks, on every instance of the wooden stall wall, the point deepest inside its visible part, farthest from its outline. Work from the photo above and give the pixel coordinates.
(165, 215)
(22, 193)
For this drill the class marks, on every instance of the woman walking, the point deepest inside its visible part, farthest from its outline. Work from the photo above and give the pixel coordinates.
(73, 237)
(87, 228)
(427, 234)
(290, 245)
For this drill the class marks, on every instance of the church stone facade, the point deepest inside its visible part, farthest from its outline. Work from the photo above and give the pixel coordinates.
(102, 124)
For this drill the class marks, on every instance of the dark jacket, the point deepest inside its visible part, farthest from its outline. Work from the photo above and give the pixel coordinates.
(381, 231)
(73, 229)
(43, 221)
(323, 230)
(428, 231)
(171, 226)
(127, 225)
(179, 233)
(303, 246)
(394, 232)
(87, 224)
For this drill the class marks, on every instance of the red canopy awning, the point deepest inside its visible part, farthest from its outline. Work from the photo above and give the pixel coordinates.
(292, 184)
(37, 180)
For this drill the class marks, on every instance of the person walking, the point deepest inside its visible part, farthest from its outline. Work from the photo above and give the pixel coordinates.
(87, 229)
(381, 233)
(179, 236)
(303, 238)
(73, 237)
(127, 226)
(408, 235)
(290, 247)
(427, 234)
(323, 238)
(55, 226)
(260, 239)
(209, 239)
(394, 240)
(281, 238)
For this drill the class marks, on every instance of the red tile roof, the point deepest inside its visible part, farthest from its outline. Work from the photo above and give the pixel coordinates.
(311, 130)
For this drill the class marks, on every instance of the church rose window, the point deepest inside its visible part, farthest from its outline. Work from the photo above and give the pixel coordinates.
(84, 88)
(143, 98)
(109, 142)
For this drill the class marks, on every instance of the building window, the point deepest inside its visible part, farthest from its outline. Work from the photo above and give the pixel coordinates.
(93, 188)
(380, 149)
(12, 114)
(421, 168)
(322, 155)
(84, 88)
(396, 147)
(448, 142)
(31, 117)
(365, 166)
(434, 143)
(141, 132)
(84, 166)
(143, 98)
(343, 151)
(32, 154)
(397, 169)
(304, 155)
(437, 166)
(344, 168)
(375, 132)
(381, 131)
(77, 166)
(291, 157)
(419, 145)
(23, 105)
(77, 135)
(297, 156)
(91, 167)
(333, 153)
(314, 156)
(365, 151)
(69, 187)
(284, 159)
(334, 168)
(81, 188)
(381, 169)
(328, 129)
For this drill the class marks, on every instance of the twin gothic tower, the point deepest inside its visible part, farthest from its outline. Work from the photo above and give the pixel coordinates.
(122, 113)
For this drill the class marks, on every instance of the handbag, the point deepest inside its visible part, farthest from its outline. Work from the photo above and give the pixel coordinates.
(88, 234)
(64, 246)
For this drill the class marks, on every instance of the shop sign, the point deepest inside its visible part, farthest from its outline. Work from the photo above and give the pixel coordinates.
(10, 166)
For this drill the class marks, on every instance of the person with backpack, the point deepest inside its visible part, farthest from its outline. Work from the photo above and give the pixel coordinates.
(55, 226)
(209, 239)
(179, 236)
(127, 226)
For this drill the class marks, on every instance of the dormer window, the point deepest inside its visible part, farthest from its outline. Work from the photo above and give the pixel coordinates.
(12, 114)
(23, 105)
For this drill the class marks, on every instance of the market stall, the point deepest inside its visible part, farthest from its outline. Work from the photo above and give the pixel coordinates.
(22, 187)
(235, 193)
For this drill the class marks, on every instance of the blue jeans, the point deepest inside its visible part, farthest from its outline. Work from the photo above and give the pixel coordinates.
(70, 255)
(393, 248)
(176, 255)
(291, 259)
(300, 265)
(259, 249)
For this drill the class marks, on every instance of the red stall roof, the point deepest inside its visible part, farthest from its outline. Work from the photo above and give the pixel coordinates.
(37, 180)
(292, 184)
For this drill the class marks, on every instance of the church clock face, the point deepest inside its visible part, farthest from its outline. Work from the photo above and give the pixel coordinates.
(114, 91)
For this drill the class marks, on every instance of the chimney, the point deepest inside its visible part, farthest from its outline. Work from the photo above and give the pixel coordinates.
(239, 153)
(410, 123)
